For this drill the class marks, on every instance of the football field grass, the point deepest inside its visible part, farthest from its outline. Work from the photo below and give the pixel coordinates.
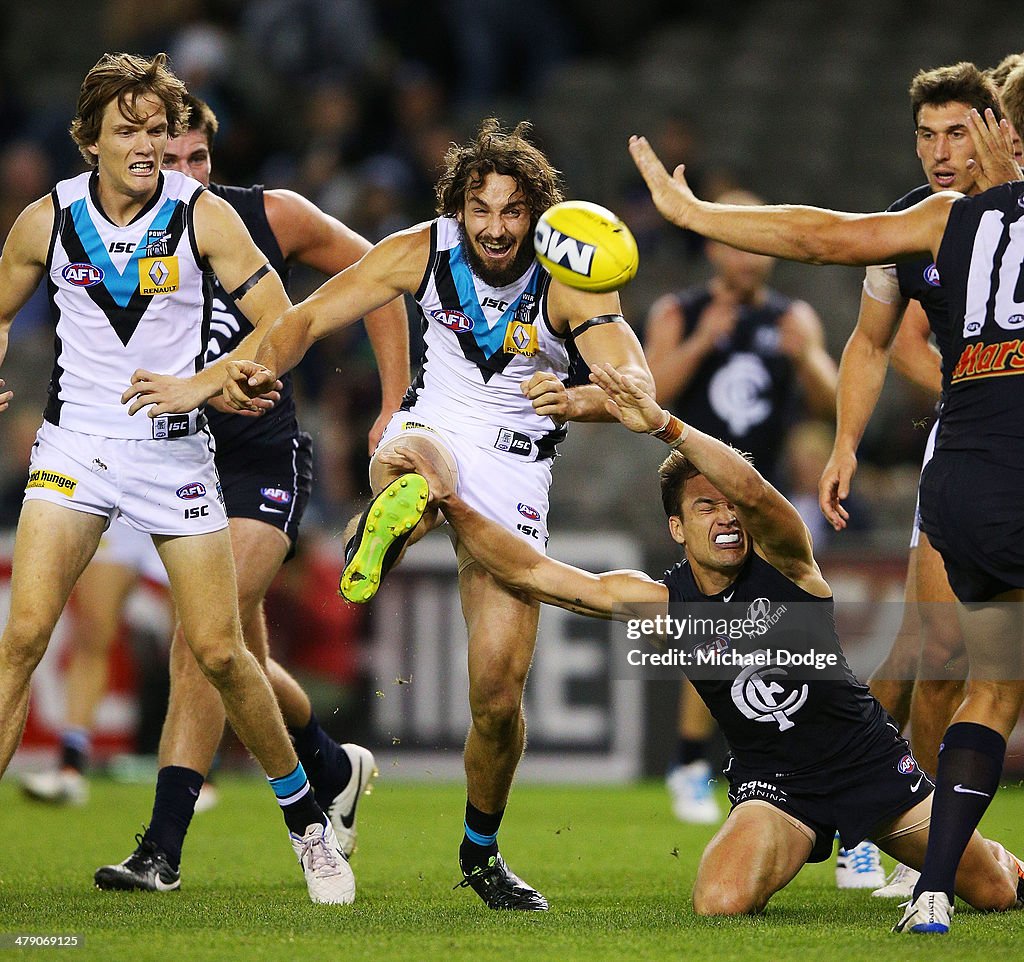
(615, 865)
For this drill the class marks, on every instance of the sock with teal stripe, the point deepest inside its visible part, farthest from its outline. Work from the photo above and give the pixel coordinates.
(480, 841)
(295, 797)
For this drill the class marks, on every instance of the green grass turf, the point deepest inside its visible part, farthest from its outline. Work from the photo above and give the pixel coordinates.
(615, 865)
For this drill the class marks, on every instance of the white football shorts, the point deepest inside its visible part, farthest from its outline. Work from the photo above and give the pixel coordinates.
(507, 488)
(157, 487)
(127, 547)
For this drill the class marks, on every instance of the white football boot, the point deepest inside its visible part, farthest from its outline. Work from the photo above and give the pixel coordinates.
(342, 810)
(62, 786)
(929, 914)
(329, 877)
(900, 883)
(692, 798)
(859, 867)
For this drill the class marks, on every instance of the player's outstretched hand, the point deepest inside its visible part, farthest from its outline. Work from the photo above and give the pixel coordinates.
(671, 195)
(5, 396)
(407, 459)
(244, 383)
(548, 395)
(628, 401)
(834, 488)
(162, 393)
(993, 162)
(271, 399)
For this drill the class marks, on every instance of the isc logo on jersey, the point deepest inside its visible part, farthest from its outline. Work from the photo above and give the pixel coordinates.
(455, 321)
(158, 275)
(82, 275)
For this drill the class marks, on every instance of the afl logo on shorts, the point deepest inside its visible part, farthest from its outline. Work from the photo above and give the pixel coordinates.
(906, 765)
(191, 491)
(455, 321)
(528, 512)
(931, 276)
(277, 495)
(82, 275)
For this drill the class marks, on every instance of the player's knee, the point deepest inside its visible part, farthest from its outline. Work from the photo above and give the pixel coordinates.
(24, 643)
(720, 899)
(997, 895)
(496, 711)
(218, 662)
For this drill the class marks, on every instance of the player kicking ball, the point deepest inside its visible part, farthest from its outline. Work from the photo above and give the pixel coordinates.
(819, 754)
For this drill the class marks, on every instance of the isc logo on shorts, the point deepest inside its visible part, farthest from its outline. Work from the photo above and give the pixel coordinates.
(158, 275)
(55, 482)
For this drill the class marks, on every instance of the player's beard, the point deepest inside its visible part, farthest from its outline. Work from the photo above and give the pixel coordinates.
(497, 278)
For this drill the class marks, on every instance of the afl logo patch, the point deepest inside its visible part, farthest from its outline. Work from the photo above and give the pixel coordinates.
(931, 276)
(906, 765)
(191, 491)
(455, 321)
(277, 495)
(528, 512)
(82, 275)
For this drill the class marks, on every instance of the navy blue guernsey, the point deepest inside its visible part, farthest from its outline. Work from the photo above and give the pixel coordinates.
(780, 721)
(229, 328)
(981, 262)
(920, 281)
(744, 390)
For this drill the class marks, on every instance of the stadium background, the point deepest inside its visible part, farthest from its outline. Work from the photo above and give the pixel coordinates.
(352, 103)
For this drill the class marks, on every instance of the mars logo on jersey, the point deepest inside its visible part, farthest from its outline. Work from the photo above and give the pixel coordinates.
(191, 491)
(906, 765)
(527, 511)
(158, 275)
(455, 321)
(931, 276)
(277, 495)
(990, 360)
(82, 275)
(762, 699)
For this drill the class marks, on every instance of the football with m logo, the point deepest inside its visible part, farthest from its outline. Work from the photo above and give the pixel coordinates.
(586, 246)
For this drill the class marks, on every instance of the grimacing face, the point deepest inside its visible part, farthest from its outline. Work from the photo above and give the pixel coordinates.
(496, 227)
(944, 146)
(708, 528)
(129, 154)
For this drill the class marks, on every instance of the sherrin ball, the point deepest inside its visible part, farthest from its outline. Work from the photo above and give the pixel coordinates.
(586, 246)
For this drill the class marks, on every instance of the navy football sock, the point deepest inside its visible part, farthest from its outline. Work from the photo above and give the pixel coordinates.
(74, 749)
(689, 750)
(970, 763)
(326, 763)
(481, 839)
(177, 789)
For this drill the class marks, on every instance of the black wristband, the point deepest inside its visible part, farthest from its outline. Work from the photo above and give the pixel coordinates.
(596, 322)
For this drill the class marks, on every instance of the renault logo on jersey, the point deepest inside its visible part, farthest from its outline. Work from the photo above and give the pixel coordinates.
(763, 700)
(520, 338)
(158, 275)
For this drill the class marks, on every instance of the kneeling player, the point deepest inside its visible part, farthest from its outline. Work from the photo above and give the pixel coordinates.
(829, 758)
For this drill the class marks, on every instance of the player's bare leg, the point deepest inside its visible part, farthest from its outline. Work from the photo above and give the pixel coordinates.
(51, 549)
(98, 601)
(502, 630)
(756, 852)
(973, 750)
(939, 687)
(892, 682)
